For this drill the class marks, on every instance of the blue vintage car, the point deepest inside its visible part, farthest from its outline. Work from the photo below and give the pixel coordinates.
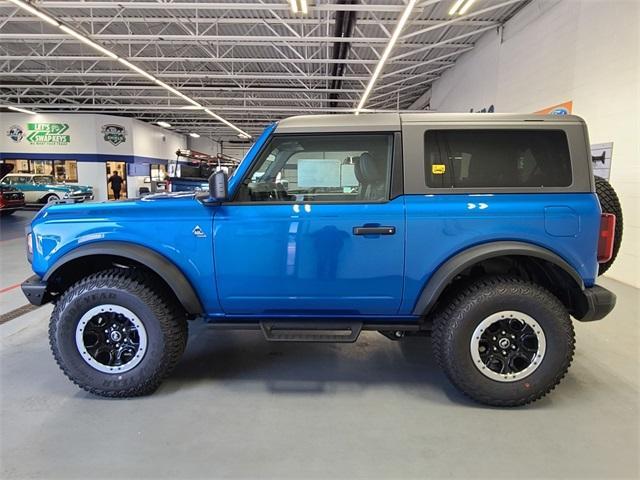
(41, 189)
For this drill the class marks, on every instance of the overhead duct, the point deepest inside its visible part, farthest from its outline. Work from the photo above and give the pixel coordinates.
(344, 24)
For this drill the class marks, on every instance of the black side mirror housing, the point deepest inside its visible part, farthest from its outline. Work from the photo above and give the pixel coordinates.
(218, 183)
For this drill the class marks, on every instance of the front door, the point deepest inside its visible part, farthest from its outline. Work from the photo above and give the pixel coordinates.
(312, 230)
(121, 169)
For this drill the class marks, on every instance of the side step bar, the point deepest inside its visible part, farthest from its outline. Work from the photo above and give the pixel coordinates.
(283, 331)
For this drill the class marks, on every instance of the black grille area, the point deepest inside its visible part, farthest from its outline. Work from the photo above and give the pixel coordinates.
(13, 196)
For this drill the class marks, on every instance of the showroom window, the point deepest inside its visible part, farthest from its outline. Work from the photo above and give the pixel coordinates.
(158, 172)
(61, 170)
(319, 168)
(496, 158)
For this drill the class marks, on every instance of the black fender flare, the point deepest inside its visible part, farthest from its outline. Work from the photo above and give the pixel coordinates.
(162, 266)
(467, 258)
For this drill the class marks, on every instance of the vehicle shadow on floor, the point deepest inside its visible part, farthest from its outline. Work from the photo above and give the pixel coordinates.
(245, 360)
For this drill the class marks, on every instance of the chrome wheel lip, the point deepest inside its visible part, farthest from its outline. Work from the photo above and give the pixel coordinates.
(132, 317)
(515, 376)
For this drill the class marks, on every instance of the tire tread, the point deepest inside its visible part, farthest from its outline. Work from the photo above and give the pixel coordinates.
(445, 325)
(169, 314)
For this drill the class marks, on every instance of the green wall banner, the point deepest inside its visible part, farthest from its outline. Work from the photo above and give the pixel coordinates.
(48, 134)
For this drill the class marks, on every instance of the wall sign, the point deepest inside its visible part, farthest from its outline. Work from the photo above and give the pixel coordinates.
(489, 109)
(560, 109)
(48, 134)
(601, 154)
(114, 134)
(15, 133)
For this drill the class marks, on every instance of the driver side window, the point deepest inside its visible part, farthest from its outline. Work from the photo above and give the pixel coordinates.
(321, 168)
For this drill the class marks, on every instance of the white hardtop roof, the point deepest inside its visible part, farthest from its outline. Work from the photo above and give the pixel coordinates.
(392, 121)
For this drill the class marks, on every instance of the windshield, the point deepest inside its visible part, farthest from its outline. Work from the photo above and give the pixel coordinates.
(43, 179)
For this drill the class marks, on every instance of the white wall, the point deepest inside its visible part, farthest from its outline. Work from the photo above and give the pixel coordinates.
(156, 142)
(236, 150)
(204, 145)
(86, 136)
(94, 174)
(555, 51)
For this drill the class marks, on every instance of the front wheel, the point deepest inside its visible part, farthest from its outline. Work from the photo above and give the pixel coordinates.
(52, 198)
(504, 341)
(115, 335)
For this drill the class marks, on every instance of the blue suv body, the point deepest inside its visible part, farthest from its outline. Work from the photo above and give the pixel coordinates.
(403, 223)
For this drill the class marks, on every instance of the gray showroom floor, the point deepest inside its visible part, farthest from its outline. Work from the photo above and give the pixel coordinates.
(238, 406)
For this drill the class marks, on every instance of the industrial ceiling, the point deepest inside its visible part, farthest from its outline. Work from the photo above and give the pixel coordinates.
(251, 62)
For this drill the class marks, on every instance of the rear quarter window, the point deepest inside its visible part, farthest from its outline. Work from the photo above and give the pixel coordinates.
(473, 158)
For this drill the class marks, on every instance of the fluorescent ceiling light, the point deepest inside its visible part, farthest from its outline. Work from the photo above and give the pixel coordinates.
(242, 135)
(299, 6)
(219, 118)
(136, 69)
(455, 7)
(87, 41)
(36, 12)
(385, 54)
(21, 110)
(466, 6)
(164, 124)
(194, 135)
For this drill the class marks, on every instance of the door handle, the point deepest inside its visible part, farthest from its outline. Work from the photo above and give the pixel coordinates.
(378, 230)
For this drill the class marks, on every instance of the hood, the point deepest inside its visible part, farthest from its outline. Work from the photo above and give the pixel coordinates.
(132, 208)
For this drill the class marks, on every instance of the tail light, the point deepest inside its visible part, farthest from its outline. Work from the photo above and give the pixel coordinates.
(607, 234)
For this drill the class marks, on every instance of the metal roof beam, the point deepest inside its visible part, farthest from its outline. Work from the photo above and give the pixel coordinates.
(147, 20)
(80, 58)
(233, 39)
(143, 5)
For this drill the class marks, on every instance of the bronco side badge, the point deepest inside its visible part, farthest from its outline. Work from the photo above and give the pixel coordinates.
(198, 232)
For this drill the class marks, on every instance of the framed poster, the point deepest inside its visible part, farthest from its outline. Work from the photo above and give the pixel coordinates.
(601, 157)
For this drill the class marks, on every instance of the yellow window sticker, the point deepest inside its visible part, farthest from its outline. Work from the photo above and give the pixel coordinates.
(438, 169)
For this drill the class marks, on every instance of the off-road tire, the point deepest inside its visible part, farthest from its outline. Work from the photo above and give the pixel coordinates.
(610, 203)
(454, 326)
(163, 319)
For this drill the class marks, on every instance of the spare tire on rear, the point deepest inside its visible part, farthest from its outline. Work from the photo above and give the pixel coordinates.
(610, 203)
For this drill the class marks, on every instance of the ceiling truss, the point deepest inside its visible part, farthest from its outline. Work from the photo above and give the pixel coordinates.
(254, 62)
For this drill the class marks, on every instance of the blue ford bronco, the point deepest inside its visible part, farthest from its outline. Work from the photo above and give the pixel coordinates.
(484, 232)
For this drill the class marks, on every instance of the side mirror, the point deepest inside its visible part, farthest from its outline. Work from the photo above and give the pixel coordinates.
(218, 183)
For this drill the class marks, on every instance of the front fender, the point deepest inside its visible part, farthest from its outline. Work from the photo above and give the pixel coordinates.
(164, 268)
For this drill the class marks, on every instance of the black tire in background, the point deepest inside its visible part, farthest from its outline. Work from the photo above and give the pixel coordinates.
(610, 203)
(163, 322)
(458, 324)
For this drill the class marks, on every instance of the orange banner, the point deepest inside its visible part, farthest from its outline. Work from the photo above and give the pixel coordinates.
(560, 109)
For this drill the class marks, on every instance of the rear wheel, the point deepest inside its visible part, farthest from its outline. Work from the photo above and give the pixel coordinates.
(114, 334)
(610, 203)
(504, 341)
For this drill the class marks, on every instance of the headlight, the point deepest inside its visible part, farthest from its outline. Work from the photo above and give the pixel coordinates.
(29, 246)
(65, 195)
